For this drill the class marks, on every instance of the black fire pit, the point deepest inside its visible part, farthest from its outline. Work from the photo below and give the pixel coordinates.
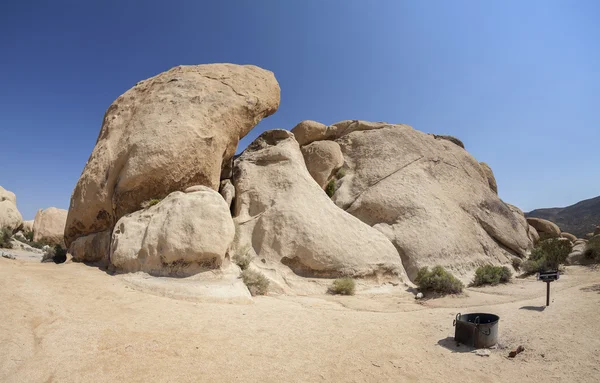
(477, 330)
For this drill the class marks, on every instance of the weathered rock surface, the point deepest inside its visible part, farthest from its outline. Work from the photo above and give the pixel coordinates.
(286, 222)
(92, 248)
(544, 226)
(27, 226)
(428, 196)
(323, 159)
(227, 190)
(169, 132)
(489, 174)
(568, 236)
(10, 217)
(49, 226)
(534, 236)
(183, 234)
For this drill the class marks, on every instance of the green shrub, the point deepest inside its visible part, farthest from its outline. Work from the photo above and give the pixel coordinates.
(257, 283)
(438, 280)
(342, 286)
(330, 188)
(150, 202)
(29, 236)
(516, 263)
(592, 249)
(491, 275)
(547, 256)
(243, 259)
(5, 236)
(340, 173)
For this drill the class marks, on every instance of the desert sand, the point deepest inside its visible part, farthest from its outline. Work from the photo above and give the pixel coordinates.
(75, 323)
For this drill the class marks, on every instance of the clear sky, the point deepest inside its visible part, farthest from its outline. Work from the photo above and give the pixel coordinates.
(517, 81)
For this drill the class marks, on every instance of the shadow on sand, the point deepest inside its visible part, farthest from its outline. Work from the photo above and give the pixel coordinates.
(452, 345)
(533, 308)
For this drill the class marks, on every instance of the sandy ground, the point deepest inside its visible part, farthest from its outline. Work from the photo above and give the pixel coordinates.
(74, 323)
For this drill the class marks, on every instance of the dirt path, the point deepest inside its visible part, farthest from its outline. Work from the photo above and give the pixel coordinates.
(73, 323)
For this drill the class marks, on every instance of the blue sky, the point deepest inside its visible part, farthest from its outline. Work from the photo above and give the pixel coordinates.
(517, 81)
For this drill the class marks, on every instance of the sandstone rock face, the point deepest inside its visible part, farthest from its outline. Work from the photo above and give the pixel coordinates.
(287, 222)
(10, 217)
(544, 226)
(92, 248)
(323, 159)
(568, 236)
(165, 134)
(428, 196)
(181, 235)
(49, 226)
(489, 174)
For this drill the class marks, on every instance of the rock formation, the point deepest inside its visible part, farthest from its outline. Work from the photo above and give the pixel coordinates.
(568, 236)
(489, 174)
(286, 222)
(181, 235)
(27, 226)
(10, 217)
(549, 229)
(169, 132)
(323, 159)
(425, 193)
(49, 226)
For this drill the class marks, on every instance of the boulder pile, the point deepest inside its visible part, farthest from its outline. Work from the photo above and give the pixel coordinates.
(163, 192)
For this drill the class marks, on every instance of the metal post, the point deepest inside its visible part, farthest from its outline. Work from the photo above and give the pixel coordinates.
(548, 293)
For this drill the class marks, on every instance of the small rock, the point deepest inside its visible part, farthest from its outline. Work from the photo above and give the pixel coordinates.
(419, 296)
(516, 352)
(482, 352)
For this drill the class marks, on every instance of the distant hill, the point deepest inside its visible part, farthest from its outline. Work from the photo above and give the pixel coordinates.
(577, 219)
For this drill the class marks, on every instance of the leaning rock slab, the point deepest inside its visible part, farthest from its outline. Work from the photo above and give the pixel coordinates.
(287, 222)
(49, 226)
(165, 134)
(183, 234)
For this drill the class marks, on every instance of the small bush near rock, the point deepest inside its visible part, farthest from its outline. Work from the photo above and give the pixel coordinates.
(243, 260)
(592, 249)
(29, 236)
(150, 202)
(340, 173)
(55, 254)
(342, 286)
(5, 236)
(330, 188)
(438, 280)
(256, 283)
(516, 263)
(548, 255)
(491, 275)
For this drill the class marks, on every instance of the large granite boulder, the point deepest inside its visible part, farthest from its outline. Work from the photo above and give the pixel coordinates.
(545, 227)
(49, 226)
(183, 234)
(168, 132)
(323, 159)
(10, 217)
(289, 226)
(568, 236)
(428, 195)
